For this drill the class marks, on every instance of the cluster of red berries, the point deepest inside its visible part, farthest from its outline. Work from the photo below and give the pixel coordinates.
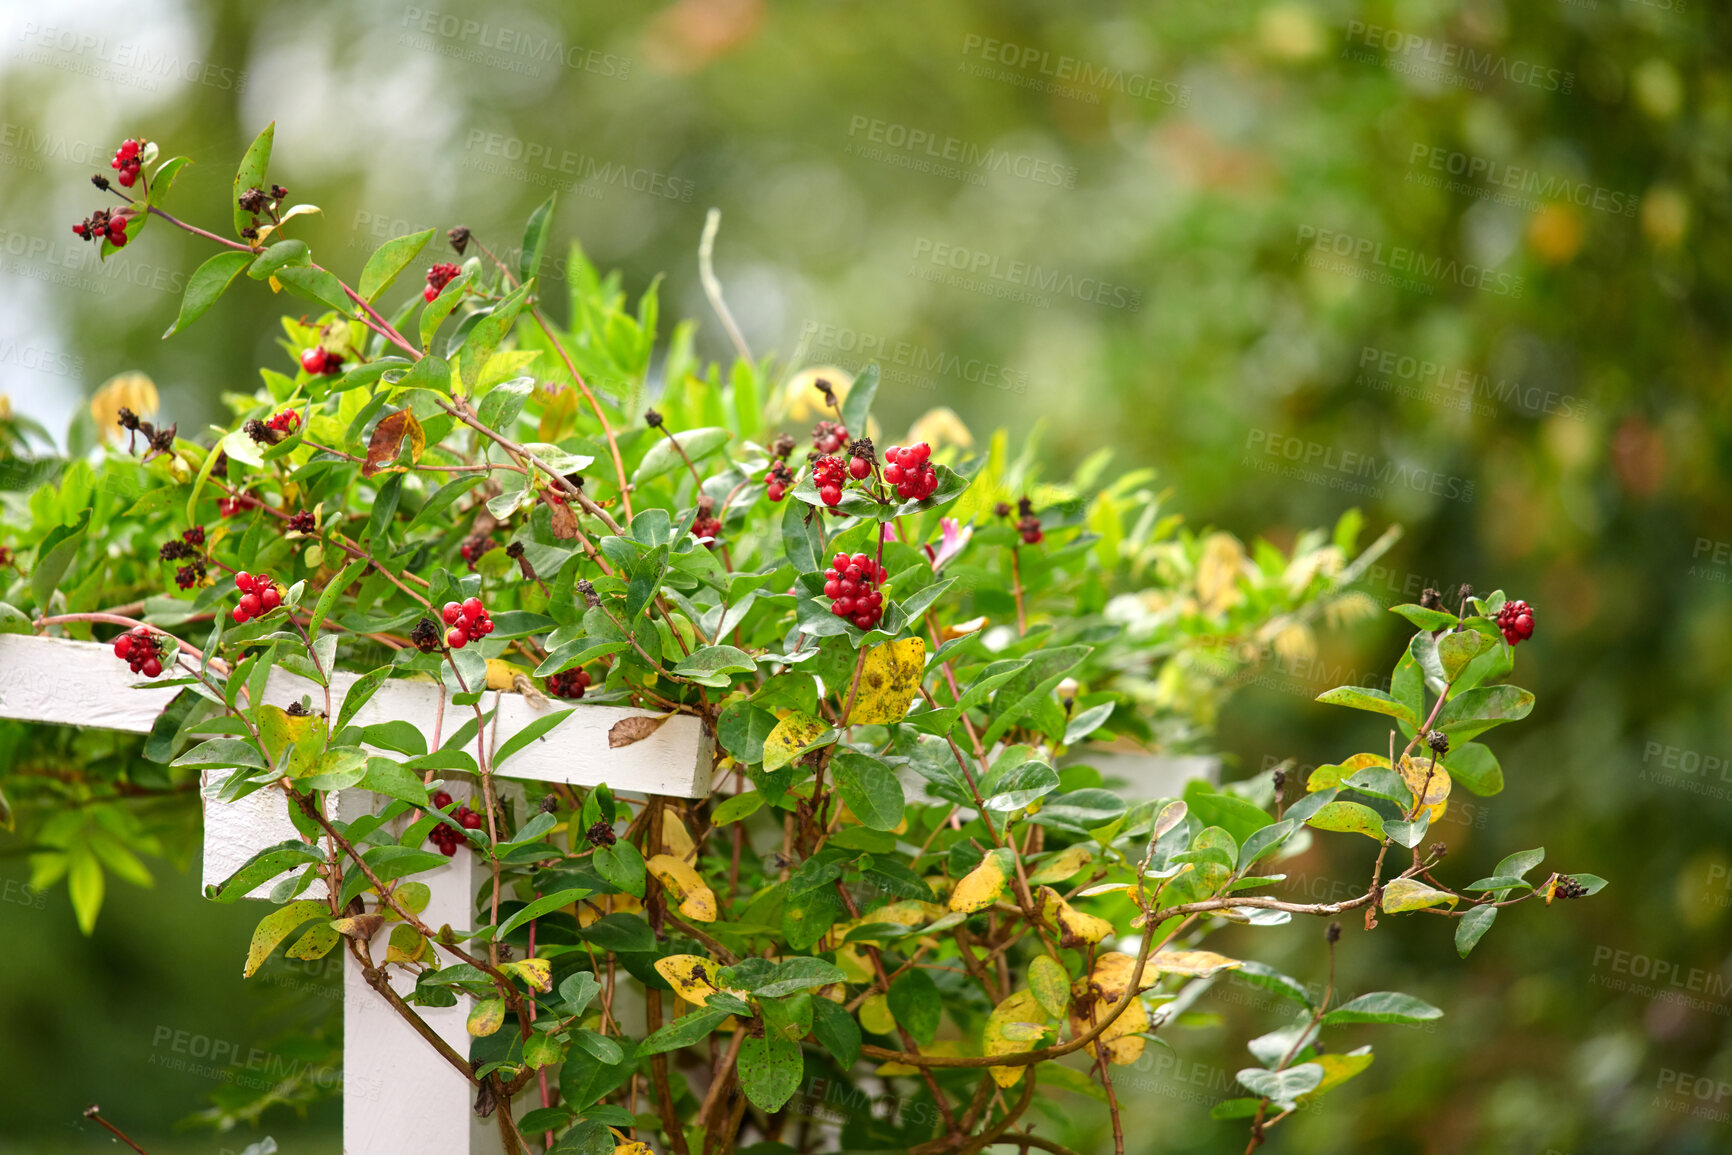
(1516, 620)
(137, 648)
(438, 277)
(707, 527)
(127, 162)
(287, 421)
(259, 595)
(442, 836)
(908, 470)
(1029, 524)
(468, 620)
(569, 683)
(320, 361)
(101, 224)
(302, 522)
(851, 584)
(829, 436)
(778, 480)
(829, 475)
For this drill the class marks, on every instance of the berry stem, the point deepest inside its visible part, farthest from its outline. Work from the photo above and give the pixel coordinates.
(95, 1112)
(198, 232)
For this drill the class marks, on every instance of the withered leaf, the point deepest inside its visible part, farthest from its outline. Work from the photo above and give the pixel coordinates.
(387, 441)
(629, 730)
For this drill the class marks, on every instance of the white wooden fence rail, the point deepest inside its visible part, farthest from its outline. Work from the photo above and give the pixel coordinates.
(400, 1096)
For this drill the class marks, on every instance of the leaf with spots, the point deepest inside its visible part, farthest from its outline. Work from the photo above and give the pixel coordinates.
(793, 736)
(386, 442)
(1001, 1035)
(889, 680)
(691, 975)
(697, 901)
(275, 927)
(984, 885)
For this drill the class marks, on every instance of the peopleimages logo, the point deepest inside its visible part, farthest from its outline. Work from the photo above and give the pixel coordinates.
(1448, 63)
(1494, 173)
(1363, 473)
(911, 355)
(1063, 71)
(1401, 262)
(1390, 371)
(512, 49)
(911, 146)
(121, 61)
(975, 263)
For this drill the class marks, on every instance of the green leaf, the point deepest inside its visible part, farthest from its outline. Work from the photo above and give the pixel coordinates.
(502, 404)
(1591, 883)
(1350, 817)
(360, 694)
(1365, 698)
(1472, 927)
(535, 240)
(800, 537)
(622, 865)
(662, 457)
(442, 499)
(1383, 1007)
(1016, 780)
(541, 906)
(712, 665)
(84, 886)
(1282, 1088)
(389, 260)
(800, 974)
(54, 555)
(275, 927)
(316, 285)
(277, 256)
(440, 307)
(539, 726)
(208, 283)
(737, 807)
(836, 1031)
(870, 789)
(604, 1049)
(332, 590)
(1459, 647)
(251, 174)
(1475, 767)
(264, 866)
(394, 780)
(162, 181)
(1267, 977)
(1476, 711)
(857, 406)
(222, 754)
(488, 332)
(769, 1070)
(917, 1005)
(1423, 618)
(683, 1032)
(1233, 814)
(1518, 864)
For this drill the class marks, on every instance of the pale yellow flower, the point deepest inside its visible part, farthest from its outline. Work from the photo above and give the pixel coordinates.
(940, 426)
(132, 391)
(803, 402)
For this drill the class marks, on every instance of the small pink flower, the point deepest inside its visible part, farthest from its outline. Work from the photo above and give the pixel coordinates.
(953, 541)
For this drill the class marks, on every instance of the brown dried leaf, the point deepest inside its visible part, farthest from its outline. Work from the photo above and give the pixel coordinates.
(629, 730)
(564, 521)
(387, 441)
(362, 926)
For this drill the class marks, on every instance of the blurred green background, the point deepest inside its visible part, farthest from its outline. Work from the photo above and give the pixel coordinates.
(1464, 265)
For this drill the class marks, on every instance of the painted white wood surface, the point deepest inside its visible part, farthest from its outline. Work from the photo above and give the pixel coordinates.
(399, 1094)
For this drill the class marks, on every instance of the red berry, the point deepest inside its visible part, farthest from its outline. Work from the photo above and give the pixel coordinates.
(451, 613)
(251, 605)
(470, 820)
(152, 666)
(921, 452)
(865, 619)
(472, 608)
(244, 582)
(893, 453)
(313, 360)
(893, 474)
(482, 628)
(774, 491)
(1516, 621)
(840, 562)
(440, 801)
(861, 560)
(240, 616)
(271, 598)
(844, 605)
(456, 638)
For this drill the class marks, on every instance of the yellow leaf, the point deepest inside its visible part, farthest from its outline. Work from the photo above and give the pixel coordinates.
(275, 927)
(486, 1017)
(387, 441)
(536, 973)
(1020, 1007)
(1404, 894)
(1063, 865)
(791, 735)
(854, 963)
(406, 946)
(889, 679)
(1218, 572)
(982, 886)
(1337, 1069)
(501, 675)
(1192, 963)
(1049, 982)
(940, 426)
(1348, 817)
(690, 975)
(1419, 775)
(1074, 926)
(634, 1148)
(875, 1015)
(1089, 1008)
(1324, 777)
(276, 285)
(697, 901)
(676, 839)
